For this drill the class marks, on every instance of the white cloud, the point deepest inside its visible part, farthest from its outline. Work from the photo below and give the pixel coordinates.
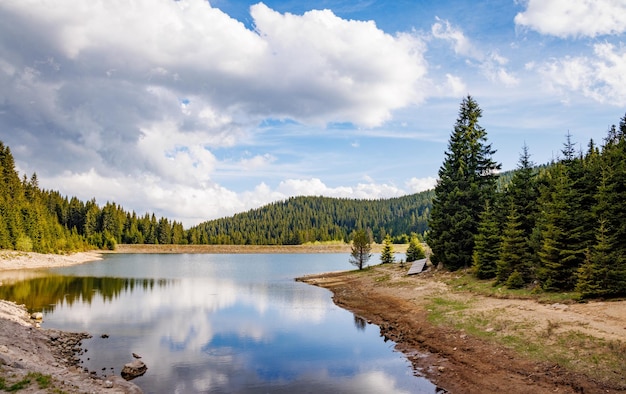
(442, 29)
(492, 64)
(566, 18)
(331, 69)
(494, 69)
(137, 96)
(256, 162)
(601, 78)
(416, 185)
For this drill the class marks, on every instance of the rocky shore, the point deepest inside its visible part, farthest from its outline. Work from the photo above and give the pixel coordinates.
(44, 360)
(36, 360)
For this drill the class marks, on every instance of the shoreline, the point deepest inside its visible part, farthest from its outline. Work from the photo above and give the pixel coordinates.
(458, 358)
(41, 359)
(11, 260)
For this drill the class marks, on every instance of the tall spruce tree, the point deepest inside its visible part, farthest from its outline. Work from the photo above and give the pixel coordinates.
(523, 192)
(604, 272)
(561, 252)
(467, 179)
(515, 253)
(486, 245)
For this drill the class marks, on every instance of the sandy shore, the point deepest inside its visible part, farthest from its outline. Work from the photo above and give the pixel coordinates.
(13, 260)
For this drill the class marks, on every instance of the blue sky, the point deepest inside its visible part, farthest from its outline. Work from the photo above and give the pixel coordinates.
(196, 110)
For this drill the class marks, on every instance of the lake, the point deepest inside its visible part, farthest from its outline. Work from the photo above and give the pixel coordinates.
(219, 323)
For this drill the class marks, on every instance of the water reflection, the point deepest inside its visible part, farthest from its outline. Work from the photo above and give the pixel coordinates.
(359, 323)
(217, 324)
(42, 294)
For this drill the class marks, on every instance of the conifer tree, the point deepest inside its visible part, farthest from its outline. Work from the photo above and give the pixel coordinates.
(361, 249)
(467, 178)
(522, 192)
(561, 252)
(595, 278)
(515, 254)
(604, 272)
(414, 251)
(386, 255)
(487, 245)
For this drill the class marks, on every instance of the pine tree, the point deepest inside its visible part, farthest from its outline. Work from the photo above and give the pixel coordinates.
(414, 251)
(486, 246)
(386, 255)
(361, 249)
(467, 180)
(515, 254)
(604, 271)
(523, 192)
(561, 252)
(594, 276)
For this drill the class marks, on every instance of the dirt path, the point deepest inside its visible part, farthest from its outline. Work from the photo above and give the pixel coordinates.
(467, 343)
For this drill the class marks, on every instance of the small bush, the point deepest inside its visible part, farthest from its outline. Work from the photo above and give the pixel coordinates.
(515, 280)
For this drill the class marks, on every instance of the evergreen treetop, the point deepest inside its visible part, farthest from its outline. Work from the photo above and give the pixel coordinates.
(467, 178)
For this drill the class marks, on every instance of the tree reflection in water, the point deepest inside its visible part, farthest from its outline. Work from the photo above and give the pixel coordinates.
(43, 293)
(359, 323)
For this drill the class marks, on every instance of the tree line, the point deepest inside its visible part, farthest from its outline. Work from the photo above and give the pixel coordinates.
(34, 219)
(300, 220)
(558, 227)
(44, 221)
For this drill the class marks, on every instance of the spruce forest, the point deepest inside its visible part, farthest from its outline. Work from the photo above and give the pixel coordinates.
(32, 219)
(559, 226)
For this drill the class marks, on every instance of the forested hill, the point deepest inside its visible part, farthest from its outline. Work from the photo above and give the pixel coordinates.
(33, 219)
(299, 220)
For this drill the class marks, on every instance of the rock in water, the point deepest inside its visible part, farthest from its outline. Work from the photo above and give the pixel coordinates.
(37, 316)
(136, 355)
(134, 369)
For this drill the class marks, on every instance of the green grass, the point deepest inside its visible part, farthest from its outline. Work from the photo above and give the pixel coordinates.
(556, 343)
(382, 278)
(11, 384)
(445, 311)
(465, 281)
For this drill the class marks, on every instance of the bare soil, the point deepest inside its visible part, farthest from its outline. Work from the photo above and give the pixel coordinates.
(468, 343)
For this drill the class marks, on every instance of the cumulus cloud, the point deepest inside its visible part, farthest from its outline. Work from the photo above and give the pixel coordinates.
(315, 187)
(565, 18)
(601, 78)
(416, 185)
(143, 93)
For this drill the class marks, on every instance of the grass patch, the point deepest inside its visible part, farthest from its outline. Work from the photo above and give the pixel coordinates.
(594, 357)
(382, 278)
(465, 281)
(14, 384)
(445, 311)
